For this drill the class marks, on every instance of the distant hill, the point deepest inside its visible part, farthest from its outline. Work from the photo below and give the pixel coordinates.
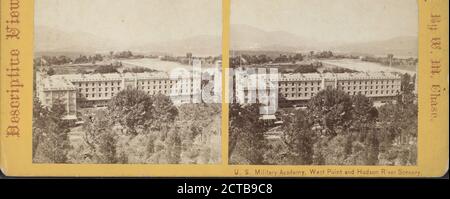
(248, 38)
(51, 41)
(244, 37)
(400, 46)
(204, 45)
(271, 54)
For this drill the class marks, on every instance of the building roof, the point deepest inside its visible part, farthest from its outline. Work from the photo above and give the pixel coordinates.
(302, 76)
(116, 76)
(57, 83)
(365, 75)
(64, 82)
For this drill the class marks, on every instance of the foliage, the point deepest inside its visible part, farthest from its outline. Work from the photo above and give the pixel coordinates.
(246, 134)
(335, 129)
(106, 69)
(139, 128)
(82, 71)
(307, 68)
(332, 110)
(123, 55)
(132, 109)
(138, 70)
(299, 138)
(364, 114)
(163, 112)
(339, 70)
(324, 54)
(50, 133)
(200, 132)
(51, 72)
(399, 132)
(192, 138)
(64, 60)
(82, 59)
(100, 138)
(248, 59)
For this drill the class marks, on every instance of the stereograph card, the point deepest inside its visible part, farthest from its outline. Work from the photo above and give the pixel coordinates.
(228, 88)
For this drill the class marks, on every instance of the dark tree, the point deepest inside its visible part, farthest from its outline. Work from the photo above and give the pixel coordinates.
(51, 133)
(136, 69)
(332, 110)
(163, 112)
(173, 147)
(106, 69)
(100, 138)
(246, 134)
(134, 109)
(364, 114)
(299, 138)
(51, 72)
(39, 123)
(131, 108)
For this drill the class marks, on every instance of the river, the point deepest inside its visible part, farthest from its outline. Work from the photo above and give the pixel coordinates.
(364, 66)
(155, 64)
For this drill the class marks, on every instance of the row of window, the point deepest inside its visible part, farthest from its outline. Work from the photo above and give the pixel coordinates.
(157, 82)
(375, 92)
(101, 95)
(368, 82)
(167, 89)
(342, 88)
(154, 87)
(299, 95)
(301, 89)
(93, 95)
(98, 95)
(86, 84)
(99, 89)
(391, 92)
(102, 84)
(368, 87)
(284, 84)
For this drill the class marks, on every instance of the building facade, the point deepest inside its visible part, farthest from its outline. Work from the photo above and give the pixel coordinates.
(378, 86)
(57, 90)
(75, 90)
(78, 90)
(301, 87)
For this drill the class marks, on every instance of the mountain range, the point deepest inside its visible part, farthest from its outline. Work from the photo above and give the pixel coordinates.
(248, 38)
(50, 40)
(406, 46)
(243, 37)
(53, 40)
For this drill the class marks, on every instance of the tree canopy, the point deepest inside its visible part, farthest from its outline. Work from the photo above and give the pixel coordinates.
(334, 129)
(246, 134)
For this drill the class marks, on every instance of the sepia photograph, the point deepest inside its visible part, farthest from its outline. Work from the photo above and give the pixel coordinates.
(239, 89)
(323, 82)
(124, 82)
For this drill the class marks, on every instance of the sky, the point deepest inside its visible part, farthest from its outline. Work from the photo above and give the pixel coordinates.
(331, 20)
(132, 21)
